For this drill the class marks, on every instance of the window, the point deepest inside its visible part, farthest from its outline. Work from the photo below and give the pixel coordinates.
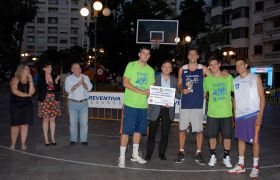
(30, 39)
(74, 21)
(240, 12)
(240, 33)
(52, 47)
(226, 19)
(53, 10)
(74, 11)
(259, 6)
(74, 41)
(30, 48)
(40, 40)
(52, 39)
(276, 24)
(52, 20)
(216, 3)
(226, 3)
(217, 19)
(276, 47)
(63, 30)
(242, 52)
(40, 30)
(227, 37)
(41, 20)
(74, 30)
(63, 41)
(258, 50)
(74, 2)
(52, 30)
(53, 1)
(30, 29)
(259, 28)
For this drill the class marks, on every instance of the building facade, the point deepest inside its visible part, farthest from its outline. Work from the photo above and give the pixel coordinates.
(58, 25)
(251, 29)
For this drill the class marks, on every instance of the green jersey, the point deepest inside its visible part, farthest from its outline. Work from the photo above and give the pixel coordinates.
(141, 78)
(219, 89)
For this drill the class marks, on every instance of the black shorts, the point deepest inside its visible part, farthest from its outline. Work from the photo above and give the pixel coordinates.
(216, 125)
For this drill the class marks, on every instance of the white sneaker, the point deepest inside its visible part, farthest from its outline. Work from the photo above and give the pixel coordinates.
(227, 162)
(121, 162)
(238, 168)
(255, 172)
(137, 158)
(213, 161)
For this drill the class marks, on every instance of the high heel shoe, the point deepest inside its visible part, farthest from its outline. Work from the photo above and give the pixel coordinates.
(47, 144)
(53, 143)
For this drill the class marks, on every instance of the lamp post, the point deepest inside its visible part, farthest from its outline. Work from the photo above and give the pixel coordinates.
(24, 56)
(187, 40)
(97, 6)
(228, 56)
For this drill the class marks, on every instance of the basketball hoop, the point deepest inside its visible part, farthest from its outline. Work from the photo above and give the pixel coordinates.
(155, 43)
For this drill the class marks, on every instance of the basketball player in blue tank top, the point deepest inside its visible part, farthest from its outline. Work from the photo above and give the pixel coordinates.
(190, 84)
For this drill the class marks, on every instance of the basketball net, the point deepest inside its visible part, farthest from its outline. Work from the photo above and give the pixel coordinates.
(155, 43)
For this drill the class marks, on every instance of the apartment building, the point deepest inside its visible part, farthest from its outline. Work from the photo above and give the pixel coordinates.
(58, 25)
(251, 29)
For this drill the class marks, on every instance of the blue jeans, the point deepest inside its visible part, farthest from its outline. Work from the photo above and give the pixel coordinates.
(78, 112)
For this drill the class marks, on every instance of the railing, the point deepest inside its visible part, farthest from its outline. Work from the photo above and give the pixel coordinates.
(272, 54)
(273, 8)
(273, 31)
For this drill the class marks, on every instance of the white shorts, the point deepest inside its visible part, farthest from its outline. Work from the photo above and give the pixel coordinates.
(193, 116)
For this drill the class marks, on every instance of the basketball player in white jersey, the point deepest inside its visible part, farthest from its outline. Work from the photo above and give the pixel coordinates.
(249, 108)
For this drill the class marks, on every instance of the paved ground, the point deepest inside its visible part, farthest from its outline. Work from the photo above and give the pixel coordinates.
(98, 160)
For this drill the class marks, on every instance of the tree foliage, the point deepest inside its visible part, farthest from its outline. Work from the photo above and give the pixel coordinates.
(192, 18)
(14, 14)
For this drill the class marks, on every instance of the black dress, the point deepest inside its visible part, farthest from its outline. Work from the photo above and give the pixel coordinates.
(21, 108)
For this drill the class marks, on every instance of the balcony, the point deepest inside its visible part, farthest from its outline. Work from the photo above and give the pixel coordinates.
(272, 34)
(273, 55)
(272, 11)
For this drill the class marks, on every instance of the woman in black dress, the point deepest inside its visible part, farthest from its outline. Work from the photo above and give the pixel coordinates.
(21, 107)
(49, 101)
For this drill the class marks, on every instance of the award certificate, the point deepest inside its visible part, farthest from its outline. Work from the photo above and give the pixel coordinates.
(162, 96)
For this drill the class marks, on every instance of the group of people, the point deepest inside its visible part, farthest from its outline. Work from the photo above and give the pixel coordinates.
(194, 83)
(243, 95)
(77, 86)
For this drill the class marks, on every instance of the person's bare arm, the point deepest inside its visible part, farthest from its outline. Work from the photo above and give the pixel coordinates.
(262, 101)
(179, 82)
(15, 91)
(206, 71)
(128, 85)
(31, 85)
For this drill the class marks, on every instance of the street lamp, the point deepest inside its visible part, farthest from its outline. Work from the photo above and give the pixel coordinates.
(182, 46)
(24, 56)
(228, 56)
(96, 7)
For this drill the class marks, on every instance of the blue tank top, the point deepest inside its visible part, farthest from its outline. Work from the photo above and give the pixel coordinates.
(192, 80)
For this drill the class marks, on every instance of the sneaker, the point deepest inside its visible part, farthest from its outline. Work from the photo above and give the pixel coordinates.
(180, 158)
(121, 162)
(213, 161)
(238, 168)
(255, 172)
(227, 162)
(138, 158)
(199, 159)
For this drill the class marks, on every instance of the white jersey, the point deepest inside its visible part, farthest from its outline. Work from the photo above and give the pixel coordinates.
(246, 96)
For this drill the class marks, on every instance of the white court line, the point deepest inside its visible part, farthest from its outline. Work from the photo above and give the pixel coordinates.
(130, 168)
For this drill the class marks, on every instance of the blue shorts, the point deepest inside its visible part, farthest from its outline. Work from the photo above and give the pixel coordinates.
(134, 120)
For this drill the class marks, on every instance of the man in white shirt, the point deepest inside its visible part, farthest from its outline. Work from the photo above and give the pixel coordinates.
(77, 86)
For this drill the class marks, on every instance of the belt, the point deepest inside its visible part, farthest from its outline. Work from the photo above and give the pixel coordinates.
(77, 100)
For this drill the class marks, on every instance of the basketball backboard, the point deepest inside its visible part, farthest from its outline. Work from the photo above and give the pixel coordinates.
(163, 31)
